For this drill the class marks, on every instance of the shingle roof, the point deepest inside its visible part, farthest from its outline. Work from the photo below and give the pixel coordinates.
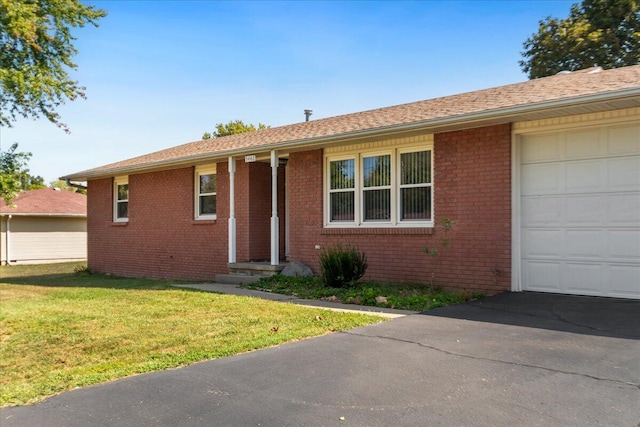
(47, 202)
(530, 95)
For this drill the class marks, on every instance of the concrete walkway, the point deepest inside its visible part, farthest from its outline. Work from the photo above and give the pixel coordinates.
(510, 360)
(350, 308)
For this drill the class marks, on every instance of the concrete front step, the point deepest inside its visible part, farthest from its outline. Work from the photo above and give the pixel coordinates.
(263, 269)
(242, 273)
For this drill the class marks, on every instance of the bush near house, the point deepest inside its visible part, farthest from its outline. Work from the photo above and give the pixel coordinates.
(342, 267)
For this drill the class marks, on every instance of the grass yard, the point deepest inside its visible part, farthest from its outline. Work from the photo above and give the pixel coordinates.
(61, 330)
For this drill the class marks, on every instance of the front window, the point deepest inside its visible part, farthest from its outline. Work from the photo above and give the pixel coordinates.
(342, 190)
(121, 200)
(376, 188)
(415, 186)
(380, 189)
(206, 185)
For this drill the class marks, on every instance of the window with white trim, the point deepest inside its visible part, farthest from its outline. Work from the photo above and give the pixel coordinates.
(381, 188)
(121, 199)
(205, 197)
(342, 190)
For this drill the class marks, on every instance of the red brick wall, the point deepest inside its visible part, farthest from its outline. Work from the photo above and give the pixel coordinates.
(472, 175)
(259, 212)
(161, 239)
(471, 186)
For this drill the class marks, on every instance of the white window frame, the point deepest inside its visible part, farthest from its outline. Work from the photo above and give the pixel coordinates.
(398, 188)
(330, 191)
(361, 190)
(118, 181)
(395, 199)
(199, 171)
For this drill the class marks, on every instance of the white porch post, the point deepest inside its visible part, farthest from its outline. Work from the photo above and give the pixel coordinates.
(275, 248)
(232, 210)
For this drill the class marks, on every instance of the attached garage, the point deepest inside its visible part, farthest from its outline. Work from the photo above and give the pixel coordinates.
(577, 205)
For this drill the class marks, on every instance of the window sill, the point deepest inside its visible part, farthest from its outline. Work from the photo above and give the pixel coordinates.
(373, 231)
(119, 223)
(203, 221)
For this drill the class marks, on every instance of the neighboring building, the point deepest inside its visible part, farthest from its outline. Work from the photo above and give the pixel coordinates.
(542, 179)
(46, 225)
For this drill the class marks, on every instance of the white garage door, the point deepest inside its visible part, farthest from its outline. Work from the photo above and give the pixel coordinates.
(36, 239)
(580, 211)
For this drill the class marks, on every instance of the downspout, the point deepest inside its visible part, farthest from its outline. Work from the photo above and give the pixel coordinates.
(8, 241)
(71, 184)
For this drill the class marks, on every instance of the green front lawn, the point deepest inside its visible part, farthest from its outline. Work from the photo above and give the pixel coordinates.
(61, 330)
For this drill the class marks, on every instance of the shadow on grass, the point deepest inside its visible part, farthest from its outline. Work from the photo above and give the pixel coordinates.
(64, 276)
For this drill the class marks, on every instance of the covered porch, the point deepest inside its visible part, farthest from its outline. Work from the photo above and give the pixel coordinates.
(258, 235)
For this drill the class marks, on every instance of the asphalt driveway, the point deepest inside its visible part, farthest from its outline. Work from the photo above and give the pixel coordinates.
(515, 359)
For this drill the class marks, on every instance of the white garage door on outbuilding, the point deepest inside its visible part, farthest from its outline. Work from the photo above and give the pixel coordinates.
(44, 225)
(577, 198)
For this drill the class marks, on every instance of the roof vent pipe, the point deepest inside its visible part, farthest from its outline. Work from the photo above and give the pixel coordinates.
(307, 114)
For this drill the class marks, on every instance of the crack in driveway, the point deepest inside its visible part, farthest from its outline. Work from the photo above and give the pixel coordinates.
(557, 316)
(487, 359)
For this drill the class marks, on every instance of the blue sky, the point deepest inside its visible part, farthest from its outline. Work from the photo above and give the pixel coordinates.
(160, 73)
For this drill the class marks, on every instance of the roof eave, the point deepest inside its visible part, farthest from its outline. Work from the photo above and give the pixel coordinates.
(462, 120)
(47, 215)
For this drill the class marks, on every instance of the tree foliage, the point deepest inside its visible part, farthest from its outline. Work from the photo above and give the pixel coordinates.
(31, 182)
(13, 170)
(231, 128)
(36, 51)
(62, 185)
(597, 32)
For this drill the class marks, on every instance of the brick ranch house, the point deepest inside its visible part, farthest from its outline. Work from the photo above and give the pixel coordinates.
(542, 179)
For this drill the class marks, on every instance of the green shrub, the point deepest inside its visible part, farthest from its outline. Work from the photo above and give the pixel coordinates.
(342, 267)
(82, 270)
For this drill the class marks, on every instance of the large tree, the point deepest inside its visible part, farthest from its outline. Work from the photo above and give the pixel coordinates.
(232, 128)
(597, 32)
(36, 51)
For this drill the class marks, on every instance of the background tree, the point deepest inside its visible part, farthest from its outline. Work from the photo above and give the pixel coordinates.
(231, 128)
(62, 185)
(31, 182)
(36, 50)
(597, 32)
(13, 168)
